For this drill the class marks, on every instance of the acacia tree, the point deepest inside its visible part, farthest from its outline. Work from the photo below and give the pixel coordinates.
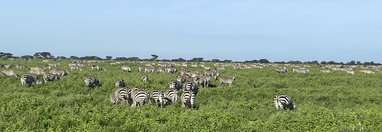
(154, 56)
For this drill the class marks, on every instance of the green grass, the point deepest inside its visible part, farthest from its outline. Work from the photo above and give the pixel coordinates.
(325, 102)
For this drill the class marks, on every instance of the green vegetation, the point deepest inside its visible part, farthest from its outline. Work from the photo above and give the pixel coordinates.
(325, 102)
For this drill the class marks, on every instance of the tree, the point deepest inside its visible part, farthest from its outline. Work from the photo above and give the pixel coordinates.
(74, 57)
(61, 57)
(263, 61)
(27, 57)
(197, 59)
(179, 59)
(109, 57)
(215, 60)
(6, 55)
(351, 62)
(133, 59)
(44, 55)
(154, 57)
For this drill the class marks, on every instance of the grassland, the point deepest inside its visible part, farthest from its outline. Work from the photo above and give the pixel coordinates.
(325, 102)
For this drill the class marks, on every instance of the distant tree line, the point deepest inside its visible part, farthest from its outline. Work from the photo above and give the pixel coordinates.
(154, 57)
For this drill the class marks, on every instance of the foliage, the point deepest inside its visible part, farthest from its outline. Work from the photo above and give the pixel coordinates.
(325, 102)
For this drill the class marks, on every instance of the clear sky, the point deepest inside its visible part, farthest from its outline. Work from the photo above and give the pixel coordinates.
(340, 30)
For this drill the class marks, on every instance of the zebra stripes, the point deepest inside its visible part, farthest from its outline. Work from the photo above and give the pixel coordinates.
(121, 94)
(190, 86)
(283, 102)
(139, 97)
(145, 78)
(158, 98)
(91, 81)
(172, 95)
(28, 79)
(50, 77)
(227, 80)
(188, 98)
(120, 83)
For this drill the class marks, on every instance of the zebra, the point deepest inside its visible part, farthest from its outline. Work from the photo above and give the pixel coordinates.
(120, 83)
(98, 68)
(59, 72)
(157, 97)
(281, 70)
(50, 77)
(91, 81)
(126, 69)
(172, 95)
(144, 78)
(29, 79)
(227, 80)
(139, 97)
(9, 73)
(174, 85)
(190, 86)
(150, 69)
(188, 98)
(122, 94)
(203, 81)
(283, 102)
(171, 70)
(37, 70)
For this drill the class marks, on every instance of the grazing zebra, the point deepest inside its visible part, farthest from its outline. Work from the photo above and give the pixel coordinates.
(122, 94)
(29, 79)
(282, 70)
(172, 95)
(157, 97)
(139, 97)
(120, 83)
(149, 69)
(227, 80)
(50, 77)
(91, 81)
(144, 78)
(190, 86)
(171, 70)
(203, 81)
(126, 69)
(98, 68)
(283, 102)
(188, 98)
(59, 72)
(37, 70)
(9, 73)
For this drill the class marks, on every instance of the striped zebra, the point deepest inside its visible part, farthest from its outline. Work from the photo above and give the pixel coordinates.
(203, 81)
(174, 85)
(120, 83)
(158, 98)
(126, 69)
(283, 102)
(188, 98)
(144, 78)
(281, 70)
(59, 72)
(190, 86)
(91, 81)
(227, 80)
(172, 95)
(121, 94)
(9, 73)
(29, 79)
(139, 97)
(50, 77)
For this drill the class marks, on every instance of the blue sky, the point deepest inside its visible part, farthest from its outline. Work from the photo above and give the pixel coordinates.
(340, 30)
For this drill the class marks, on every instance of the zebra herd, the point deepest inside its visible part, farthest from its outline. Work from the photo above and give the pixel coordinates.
(184, 88)
(137, 97)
